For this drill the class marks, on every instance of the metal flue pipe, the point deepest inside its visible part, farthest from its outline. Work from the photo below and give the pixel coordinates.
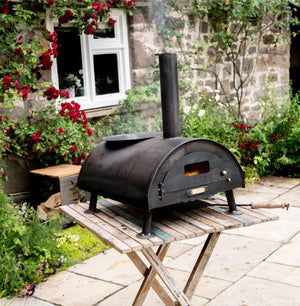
(169, 95)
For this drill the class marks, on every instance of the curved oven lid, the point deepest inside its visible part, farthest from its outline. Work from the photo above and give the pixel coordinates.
(132, 137)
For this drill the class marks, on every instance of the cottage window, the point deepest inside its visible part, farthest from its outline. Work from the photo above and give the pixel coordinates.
(93, 68)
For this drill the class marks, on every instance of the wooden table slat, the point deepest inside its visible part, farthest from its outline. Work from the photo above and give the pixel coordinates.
(212, 223)
(161, 237)
(124, 229)
(116, 232)
(117, 224)
(104, 236)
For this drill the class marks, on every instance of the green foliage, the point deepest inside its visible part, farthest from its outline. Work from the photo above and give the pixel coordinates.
(28, 249)
(79, 244)
(203, 116)
(31, 250)
(127, 118)
(53, 137)
(279, 142)
(270, 147)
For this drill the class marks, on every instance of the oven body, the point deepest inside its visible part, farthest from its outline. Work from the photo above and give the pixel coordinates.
(158, 172)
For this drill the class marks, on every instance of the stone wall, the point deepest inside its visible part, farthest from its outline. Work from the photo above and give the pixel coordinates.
(264, 62)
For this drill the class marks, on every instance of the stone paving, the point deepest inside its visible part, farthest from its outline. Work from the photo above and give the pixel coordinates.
(256, 265)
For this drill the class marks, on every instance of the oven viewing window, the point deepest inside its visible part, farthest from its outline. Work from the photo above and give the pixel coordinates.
(196, 168)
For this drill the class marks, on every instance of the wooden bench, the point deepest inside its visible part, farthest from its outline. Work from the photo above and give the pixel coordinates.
(117, 225)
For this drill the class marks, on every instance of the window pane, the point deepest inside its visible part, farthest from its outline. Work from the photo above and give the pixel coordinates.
(106, 73)
(69, 61)
(104, 33)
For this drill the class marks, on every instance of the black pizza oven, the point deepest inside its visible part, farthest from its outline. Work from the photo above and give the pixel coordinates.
(148, 171)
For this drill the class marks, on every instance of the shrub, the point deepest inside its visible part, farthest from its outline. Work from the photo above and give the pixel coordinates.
(28, 249)
(269, 147)
(127, 119)
(279, 142)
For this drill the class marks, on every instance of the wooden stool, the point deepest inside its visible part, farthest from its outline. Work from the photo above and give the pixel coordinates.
(50, 180)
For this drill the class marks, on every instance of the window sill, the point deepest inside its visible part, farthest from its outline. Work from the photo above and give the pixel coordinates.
(100, 112)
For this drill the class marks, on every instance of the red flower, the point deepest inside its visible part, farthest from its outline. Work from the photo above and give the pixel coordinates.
(111, 22)
(36, 137)
(89, 30)
(60, 130)
(50, 3)
(65, 94)
(4, 174)
(83, 155)
(7, 81)
(74, 148)
(89, 131)
(5, 8)
(25, 93)
(45, 60)
(18, 50)
(52, 93)
(67, 17)
(75, 161)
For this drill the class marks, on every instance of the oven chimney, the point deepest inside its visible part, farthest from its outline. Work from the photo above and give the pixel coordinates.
(169, 95)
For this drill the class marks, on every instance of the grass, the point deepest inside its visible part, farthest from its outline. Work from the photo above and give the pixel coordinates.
(79, 244)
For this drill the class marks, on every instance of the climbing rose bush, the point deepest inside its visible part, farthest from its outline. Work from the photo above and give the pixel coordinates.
(63, 136)
(57, 133)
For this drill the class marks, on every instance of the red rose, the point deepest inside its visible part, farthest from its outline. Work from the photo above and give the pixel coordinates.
(74, 148)
(89, 131)
(25, 93)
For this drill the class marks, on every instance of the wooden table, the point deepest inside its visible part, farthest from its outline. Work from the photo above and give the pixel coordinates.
(117, 225)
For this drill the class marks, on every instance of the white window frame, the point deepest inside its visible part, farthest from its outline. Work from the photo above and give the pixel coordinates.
(89, 47)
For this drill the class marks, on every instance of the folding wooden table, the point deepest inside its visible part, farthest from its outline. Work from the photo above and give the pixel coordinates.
(117, 225)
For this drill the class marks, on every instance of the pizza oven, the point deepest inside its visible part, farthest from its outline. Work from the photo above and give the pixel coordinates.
(149, 171)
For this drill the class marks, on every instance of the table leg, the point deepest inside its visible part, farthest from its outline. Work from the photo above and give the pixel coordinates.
(149, 280)
(165, 276)
(200, 264)
(157, 267)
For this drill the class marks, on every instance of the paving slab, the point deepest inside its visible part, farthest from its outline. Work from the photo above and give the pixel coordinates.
(266, 189)
(28, 301)
(278, 181)
(194, 241)
(252, 291)
(280, 230)
(277, 272)
(292, 196)
(232, 257)
(114, 267)
(288, 254)
(125, 297)
(245, 197)
(176, 249)
(208, 287)
(68, 288)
